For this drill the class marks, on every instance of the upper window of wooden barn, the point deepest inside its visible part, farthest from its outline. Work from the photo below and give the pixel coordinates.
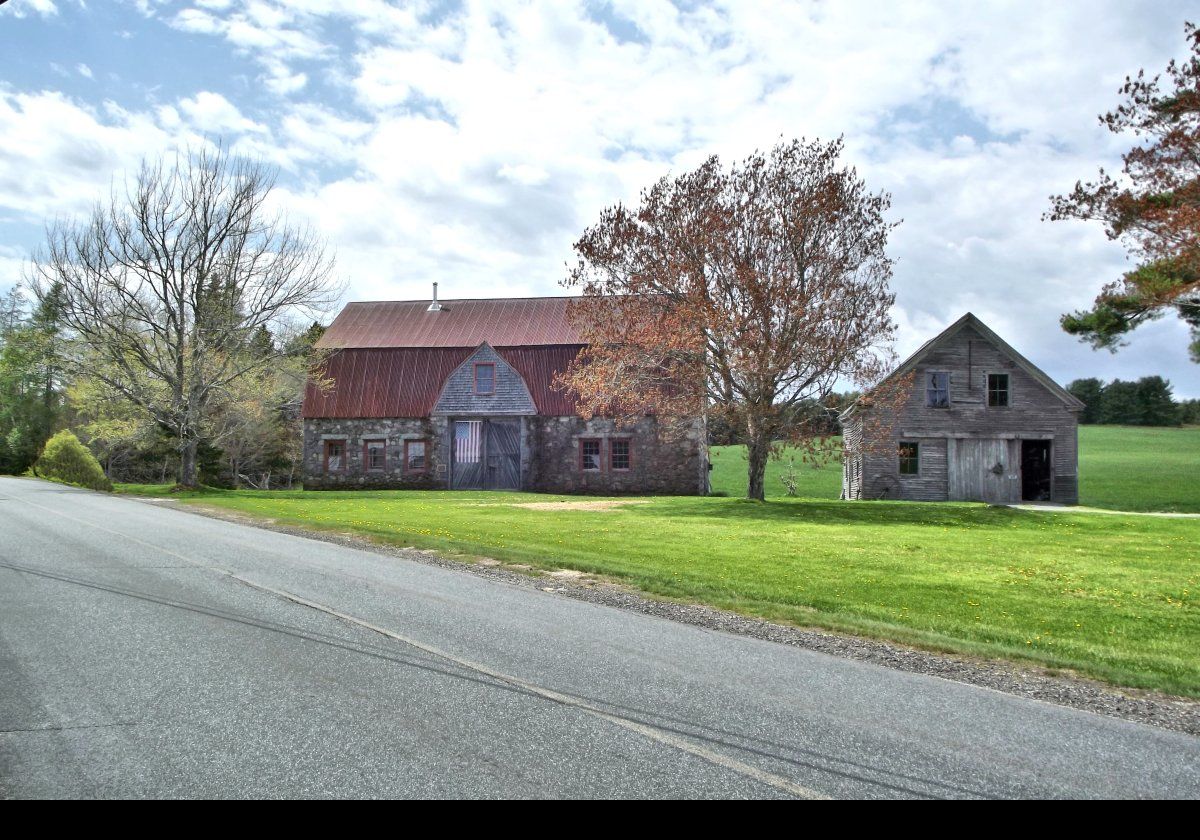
(997, 390)
(485, 378)
(937, 389)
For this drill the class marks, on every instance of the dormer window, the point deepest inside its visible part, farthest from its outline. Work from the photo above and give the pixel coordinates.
(485, 378)
(937, 389)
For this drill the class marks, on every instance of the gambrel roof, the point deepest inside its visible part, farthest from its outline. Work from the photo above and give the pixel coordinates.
(392, 358)
(501, 322)
(970, 320)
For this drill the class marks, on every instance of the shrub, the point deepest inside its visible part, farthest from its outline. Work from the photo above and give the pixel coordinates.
(67, 460)
(789, 477)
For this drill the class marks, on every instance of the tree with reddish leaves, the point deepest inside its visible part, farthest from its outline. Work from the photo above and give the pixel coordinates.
(1152, 207)
(745, 293)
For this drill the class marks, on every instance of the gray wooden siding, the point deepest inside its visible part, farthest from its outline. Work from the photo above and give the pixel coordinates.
(881, 478)
(929, 484)
(1034, 412)
(851, 459)
(458, 395)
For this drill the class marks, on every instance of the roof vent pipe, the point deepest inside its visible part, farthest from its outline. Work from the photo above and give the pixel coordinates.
(434, 306)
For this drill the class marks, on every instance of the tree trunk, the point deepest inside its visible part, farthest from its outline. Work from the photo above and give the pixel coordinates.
(187, 464)
(758, 449)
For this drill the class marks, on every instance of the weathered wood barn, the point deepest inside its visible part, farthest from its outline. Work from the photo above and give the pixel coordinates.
(980, 422)
(459, 394)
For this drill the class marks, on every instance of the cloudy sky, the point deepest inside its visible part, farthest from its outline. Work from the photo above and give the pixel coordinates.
(470, 143)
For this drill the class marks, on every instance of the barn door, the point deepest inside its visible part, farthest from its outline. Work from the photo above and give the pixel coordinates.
(983, 471)
(487, 455)
(467, 457)
(503, 454)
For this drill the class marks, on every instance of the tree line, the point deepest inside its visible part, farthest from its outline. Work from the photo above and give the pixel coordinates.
(251, 435)
(169, 329)
(1146, 402)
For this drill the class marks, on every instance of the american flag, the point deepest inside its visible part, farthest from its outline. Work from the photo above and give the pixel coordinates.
(468, 435)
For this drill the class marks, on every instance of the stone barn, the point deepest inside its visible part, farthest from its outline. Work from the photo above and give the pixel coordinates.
(980, 422)
(460, 394)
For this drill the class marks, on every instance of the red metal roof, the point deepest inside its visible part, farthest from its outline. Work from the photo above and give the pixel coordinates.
(537, 366)
(406, 381)
(501, 322)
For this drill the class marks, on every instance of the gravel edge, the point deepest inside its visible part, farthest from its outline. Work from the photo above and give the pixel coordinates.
(1164, 711)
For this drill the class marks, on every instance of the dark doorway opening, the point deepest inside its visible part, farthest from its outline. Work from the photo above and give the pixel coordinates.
(1035, 470)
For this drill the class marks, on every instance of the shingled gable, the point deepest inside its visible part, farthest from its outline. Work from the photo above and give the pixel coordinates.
(509, 396)
(970, 320)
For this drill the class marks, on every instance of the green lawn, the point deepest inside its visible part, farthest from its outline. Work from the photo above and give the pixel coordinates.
(1110, 596)
(729, 475)
(1132, 468)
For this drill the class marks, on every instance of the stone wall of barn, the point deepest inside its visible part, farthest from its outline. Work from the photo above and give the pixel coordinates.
(662, 462)
(674, 463)
(356, 432)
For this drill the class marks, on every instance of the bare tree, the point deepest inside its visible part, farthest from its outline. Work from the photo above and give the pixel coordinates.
(748, 293)
(165, 286)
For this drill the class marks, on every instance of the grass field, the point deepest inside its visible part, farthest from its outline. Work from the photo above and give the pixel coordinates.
(1130, 468)
(1109, 596)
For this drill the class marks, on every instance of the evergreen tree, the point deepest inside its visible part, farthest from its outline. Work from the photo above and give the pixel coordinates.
(1189, 412)
(1152, 206)
(31, 380)
(1089, 392)
(1156, 405)
(1120, 404)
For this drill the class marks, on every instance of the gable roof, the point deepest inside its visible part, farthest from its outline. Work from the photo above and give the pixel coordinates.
(970, 320)
(501, 322)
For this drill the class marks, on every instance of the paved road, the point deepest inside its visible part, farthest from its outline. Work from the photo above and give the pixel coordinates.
(149, 652)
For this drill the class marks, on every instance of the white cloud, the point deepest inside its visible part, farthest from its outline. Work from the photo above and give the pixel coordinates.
(472, 146)
(284, 83)
(60, 156)
(45, 8)
(83, 70)
(213, 114)
(266, 29)
(12, 268)
(525, 174)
